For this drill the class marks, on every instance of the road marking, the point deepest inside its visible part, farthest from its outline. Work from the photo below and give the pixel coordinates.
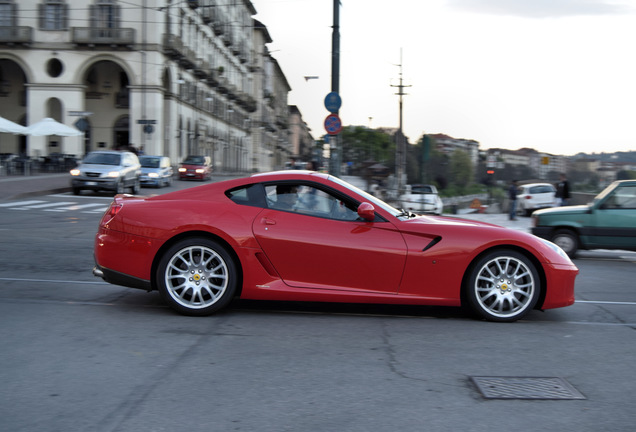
(19, 203)
(77, 207)
(606, 302)
(40, 206)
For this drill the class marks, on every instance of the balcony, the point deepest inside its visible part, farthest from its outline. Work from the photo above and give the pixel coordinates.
(113, 37)
(11, 35)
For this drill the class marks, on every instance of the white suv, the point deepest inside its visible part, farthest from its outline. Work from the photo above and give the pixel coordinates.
(535, 196)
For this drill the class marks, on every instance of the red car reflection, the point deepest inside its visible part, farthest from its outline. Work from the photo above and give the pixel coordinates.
(307, 236)
(195, 168)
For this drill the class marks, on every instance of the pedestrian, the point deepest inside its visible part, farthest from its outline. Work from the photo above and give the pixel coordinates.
(562, 194)
(512, 196)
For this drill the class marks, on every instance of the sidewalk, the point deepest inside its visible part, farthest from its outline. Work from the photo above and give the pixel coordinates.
(15, 187)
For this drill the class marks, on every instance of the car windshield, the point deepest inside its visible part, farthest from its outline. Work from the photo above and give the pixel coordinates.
(370, 198)
(194, 160)
(422, 190)
(149, 162)
(102, 158)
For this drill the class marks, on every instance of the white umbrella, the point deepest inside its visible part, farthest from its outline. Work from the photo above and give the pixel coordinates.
(48, 126)
(8, 126)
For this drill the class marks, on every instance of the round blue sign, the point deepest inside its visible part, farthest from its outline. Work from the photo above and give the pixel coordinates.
(333, 124)
(333, 102)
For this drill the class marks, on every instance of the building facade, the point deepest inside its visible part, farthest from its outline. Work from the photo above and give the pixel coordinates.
(170, 77)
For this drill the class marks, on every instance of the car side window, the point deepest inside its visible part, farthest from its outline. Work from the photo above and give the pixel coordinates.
(622, 198)
(251, 195)
(309, 200)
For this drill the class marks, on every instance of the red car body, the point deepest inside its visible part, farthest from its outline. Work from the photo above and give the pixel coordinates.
(381, 256)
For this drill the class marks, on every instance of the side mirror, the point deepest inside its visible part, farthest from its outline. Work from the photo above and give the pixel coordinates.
(366, 211)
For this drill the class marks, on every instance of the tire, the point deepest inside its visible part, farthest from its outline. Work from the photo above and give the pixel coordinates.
(197, 277)
(76, 191)
(136, 187)
(120, 188)
(503, 286)
(567, 240)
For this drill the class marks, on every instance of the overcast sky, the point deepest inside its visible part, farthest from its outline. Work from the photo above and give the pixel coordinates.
(555, 75)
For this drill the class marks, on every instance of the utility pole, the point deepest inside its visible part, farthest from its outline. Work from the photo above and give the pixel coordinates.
(400, 139)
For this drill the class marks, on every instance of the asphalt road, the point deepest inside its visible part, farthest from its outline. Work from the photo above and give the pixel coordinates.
(81, 355)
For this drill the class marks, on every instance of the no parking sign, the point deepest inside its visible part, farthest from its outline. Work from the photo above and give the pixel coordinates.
(333, 124)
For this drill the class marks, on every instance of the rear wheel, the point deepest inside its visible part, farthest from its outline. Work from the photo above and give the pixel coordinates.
(566, 240)
(503, 286)
(197, 277)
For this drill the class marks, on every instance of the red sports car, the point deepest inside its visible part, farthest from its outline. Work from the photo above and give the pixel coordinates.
(307, 236)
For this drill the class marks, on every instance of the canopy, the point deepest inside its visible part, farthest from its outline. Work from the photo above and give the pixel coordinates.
(48, 126)
(8, 126)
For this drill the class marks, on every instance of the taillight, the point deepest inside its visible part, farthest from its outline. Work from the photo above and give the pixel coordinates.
(528, 197)
(110, 213)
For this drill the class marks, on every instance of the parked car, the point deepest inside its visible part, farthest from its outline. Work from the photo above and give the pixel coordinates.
(155, 171)
(107, 170)
(535, 196)
(195, 168)
(609, 222)
(422, 198)
(307, 236)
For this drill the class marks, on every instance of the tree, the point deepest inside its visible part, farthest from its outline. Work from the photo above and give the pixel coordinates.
(461, 169)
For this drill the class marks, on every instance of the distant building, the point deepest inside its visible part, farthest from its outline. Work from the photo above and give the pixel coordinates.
(448, 145)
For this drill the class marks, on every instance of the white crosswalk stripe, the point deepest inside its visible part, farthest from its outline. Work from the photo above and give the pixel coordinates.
(20, 203)
(56, 206)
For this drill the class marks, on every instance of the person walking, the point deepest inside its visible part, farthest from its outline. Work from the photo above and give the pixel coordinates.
(562, 194)
(512, 196)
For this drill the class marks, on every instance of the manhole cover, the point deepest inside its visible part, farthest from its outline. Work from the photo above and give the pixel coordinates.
(526, 388)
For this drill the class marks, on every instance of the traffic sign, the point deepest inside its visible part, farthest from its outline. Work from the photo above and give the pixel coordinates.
(81, 124)
(333, 102)
(333, 124)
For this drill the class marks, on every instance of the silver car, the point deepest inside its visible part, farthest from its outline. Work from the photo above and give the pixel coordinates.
(107, 170)
(156, 171)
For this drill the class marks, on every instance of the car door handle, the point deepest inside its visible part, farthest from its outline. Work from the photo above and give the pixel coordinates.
(267, 221)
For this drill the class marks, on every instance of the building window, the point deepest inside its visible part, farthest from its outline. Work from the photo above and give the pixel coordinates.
(53, 15)
(7, 13)
(105, 14)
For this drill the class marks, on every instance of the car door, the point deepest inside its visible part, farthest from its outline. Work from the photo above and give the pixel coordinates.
(318, 242)
(614, 220)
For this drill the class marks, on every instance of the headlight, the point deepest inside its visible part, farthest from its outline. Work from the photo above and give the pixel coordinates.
(557, 249)
(153, 175)
(75, 172)
(113, 174)
(182, 169)
(200, 171)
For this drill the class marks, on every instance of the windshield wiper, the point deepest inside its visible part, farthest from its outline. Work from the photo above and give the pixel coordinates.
(405, 213)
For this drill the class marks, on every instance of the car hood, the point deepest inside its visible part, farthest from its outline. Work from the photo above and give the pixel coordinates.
(99, 167)
(149, 170)
(563, 210)
(449, 221)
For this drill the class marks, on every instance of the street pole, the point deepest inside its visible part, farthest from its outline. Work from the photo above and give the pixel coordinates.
(335, 80)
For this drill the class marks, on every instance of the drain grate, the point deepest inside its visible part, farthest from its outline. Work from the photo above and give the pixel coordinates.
(547, 388)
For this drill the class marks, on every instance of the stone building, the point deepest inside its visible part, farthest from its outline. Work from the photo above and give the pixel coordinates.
(171, 77)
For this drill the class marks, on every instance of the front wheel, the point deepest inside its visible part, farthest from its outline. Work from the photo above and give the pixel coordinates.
(503, 286)
(566, 240)
(197, 277)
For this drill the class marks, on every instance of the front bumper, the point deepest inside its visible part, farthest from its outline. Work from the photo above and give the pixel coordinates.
(95, 183)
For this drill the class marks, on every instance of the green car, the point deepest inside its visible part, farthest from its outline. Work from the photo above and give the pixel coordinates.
(609, 222)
